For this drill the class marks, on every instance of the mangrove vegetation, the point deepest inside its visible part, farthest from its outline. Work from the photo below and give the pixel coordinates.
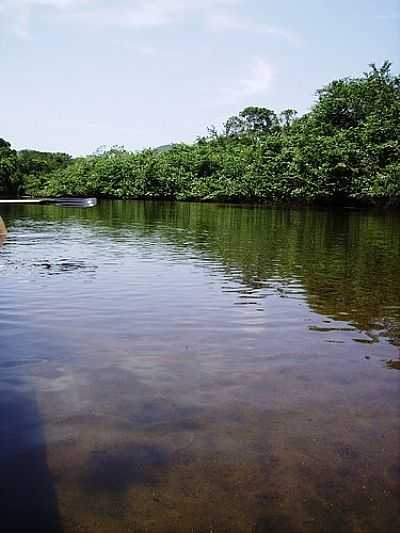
(345, 150)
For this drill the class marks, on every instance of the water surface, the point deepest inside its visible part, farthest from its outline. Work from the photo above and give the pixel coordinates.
(196, 367)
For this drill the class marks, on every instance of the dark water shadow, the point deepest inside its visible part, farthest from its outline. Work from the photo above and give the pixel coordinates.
(115, 471)
(27, 496)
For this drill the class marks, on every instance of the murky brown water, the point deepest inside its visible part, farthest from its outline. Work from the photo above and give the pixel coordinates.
(197, 368)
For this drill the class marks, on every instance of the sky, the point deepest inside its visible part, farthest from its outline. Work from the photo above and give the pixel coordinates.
(79, 74)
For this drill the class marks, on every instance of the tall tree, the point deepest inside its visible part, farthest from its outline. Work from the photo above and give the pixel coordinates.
(259, 120)
(10, 181)
(287, 117)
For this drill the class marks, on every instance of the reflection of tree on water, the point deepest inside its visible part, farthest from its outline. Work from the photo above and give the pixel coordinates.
(347, 261)
(27, 497)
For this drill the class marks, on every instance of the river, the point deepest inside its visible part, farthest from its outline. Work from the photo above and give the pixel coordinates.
(200, 367)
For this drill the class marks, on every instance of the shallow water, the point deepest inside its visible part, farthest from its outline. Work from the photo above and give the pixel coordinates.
(188, 367)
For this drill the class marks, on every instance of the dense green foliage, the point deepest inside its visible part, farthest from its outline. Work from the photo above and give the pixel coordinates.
(9, 176)
(35, 162)
(347, 148)
(28, 169)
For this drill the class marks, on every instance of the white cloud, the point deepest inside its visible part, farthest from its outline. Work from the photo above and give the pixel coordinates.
(129, 12)
(215, 15)
(148, 12)
(225, 20)
(19, 5)
(51, 3)
(391, 16)
(229, 21)
(258, 80)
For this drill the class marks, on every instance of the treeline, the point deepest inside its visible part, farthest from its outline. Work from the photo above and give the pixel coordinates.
(24, 170)
(346, 149)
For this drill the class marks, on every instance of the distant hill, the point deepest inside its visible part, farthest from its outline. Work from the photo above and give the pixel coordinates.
(163, 148)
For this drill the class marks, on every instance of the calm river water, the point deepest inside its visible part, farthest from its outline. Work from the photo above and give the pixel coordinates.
(196, 368)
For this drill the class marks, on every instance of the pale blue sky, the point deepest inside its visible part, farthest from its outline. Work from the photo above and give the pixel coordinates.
(77, 74)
